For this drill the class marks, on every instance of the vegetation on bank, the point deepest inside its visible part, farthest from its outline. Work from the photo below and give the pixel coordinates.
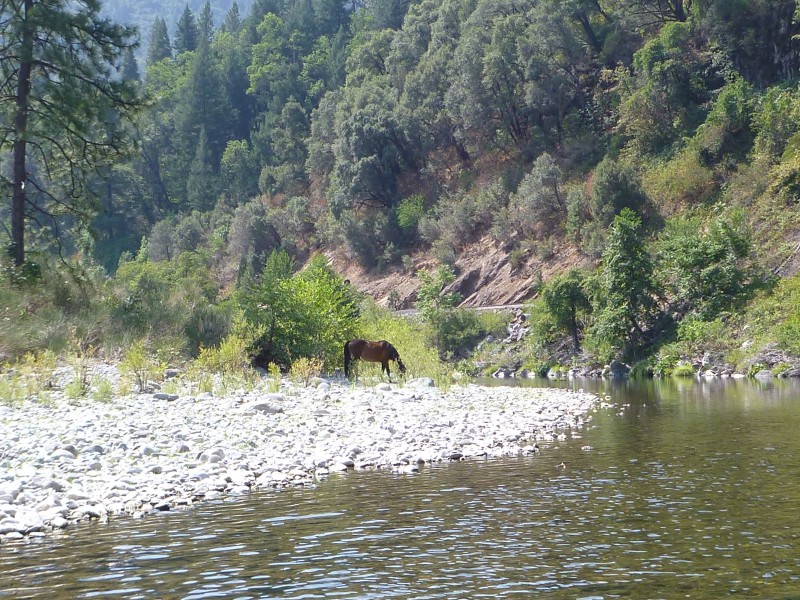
(158, 315)
(658, 141)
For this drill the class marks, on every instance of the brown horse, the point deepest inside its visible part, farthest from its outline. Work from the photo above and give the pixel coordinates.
(381, 352)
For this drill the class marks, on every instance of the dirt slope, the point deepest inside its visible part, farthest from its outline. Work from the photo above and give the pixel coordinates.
(485, 276)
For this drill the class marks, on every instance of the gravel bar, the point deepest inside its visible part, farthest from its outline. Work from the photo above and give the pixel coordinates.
(63, 461)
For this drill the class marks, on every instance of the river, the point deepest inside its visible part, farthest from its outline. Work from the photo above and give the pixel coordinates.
(682, 489)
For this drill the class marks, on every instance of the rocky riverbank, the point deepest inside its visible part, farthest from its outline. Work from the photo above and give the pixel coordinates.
(64, 461)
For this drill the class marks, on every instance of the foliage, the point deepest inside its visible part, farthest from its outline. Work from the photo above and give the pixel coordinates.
(627, 288)
(140, 365)
(775, 315)
(164, 297)
(684, 370)
(705, 271)
(431, 295)
(410, 340)
(566, 299)
(388, 129)
(667, 93)
(308, 314)
(452, 331)
(409, 212)
(304, 369)
(102, 390)
(615, 186)
(230, 359)
(539, 204)
(66, 116)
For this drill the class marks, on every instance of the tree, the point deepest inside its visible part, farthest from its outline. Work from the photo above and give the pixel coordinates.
(72, 121)
(206, 23)
(615, 186)
(130, 68)
(160, 47)
(233, 21)
(203, 104)
(187, 35)
(200, 184)
(627, 285)
(539, 200)
(307, 314)
(239, 172)
(566, 299)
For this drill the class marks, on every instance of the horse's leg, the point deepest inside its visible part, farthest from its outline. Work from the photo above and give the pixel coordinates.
(385, 367)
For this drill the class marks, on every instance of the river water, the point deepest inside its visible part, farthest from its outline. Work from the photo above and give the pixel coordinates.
(681, 490)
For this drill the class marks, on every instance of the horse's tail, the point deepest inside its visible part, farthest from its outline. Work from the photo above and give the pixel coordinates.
(346, 360)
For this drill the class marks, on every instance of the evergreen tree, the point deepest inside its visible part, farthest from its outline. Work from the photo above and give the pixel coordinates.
(233, 20)
(186, 33)
(627, 284)
(72, 122)
(199, 186)
(203, 105)
(130, 68)
(206, 23)
(160, 47)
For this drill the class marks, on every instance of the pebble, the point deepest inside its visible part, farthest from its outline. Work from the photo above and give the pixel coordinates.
(70, 460)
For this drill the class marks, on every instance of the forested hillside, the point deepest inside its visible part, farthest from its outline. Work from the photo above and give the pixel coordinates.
(142, 13)
(658, 140)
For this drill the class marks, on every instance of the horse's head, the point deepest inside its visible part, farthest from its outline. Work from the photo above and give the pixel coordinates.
(395, 356)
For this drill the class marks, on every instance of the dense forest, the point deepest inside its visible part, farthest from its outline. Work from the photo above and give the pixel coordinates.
(658, 138)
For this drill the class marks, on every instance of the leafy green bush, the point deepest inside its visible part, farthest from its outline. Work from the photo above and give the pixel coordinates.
(705, 270)
(308, 314)
(774, 316)
(304, 369)
(452, 331)
(140, 365)
(625, 302)
(684, 370)
(409, 212)
(566, 298)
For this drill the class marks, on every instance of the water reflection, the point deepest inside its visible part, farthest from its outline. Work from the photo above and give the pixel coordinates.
(689, 491)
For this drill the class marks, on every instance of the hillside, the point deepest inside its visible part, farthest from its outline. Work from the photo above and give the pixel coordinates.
(633, 166)
(485, 276)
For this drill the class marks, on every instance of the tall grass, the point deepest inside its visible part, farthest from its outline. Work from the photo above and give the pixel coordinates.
(410, 338)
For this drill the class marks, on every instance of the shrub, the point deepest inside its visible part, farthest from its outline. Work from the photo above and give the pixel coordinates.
(304, 369)
(684, 370)
(306, 314)
(706, 271)
(102, 390)
(409, 212)
(140, 366)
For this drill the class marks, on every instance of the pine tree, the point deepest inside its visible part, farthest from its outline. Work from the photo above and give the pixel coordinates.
(72, 122)
(233, 20)
(206, 22)
(199, 186)
(160, 47)
(186, 32)
(130, 68)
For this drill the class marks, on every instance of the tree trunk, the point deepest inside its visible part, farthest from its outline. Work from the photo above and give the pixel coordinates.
(678, 11)
(20, 148)
(573, 326)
